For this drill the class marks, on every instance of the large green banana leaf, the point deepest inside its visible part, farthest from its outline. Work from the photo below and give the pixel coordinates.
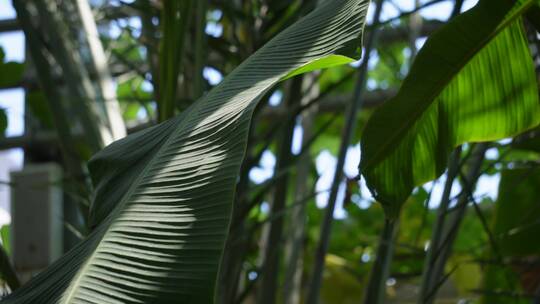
(164, 195)
(473, 81)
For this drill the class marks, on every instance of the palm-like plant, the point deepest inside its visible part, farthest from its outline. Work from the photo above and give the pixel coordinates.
(163, 196)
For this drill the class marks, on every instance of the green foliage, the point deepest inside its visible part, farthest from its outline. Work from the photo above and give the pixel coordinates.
(503, 279)
(330, 139)
(10, 73)
(467, 275)
(164, 195)
(515, 222)
(126, 48)
(134, 98)
(518, 212)
(37, 104)
(323, 63)
(333, 79)
(6, 239)
(174, 23)
(344, 285)
(388, 70)
(461, 88)
(517, 215)
(528, 142)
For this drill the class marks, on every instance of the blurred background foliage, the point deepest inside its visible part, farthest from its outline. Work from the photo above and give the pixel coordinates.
(496, 256)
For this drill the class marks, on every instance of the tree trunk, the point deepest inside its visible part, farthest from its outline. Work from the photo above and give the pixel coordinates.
(82, 95)
(103, 79)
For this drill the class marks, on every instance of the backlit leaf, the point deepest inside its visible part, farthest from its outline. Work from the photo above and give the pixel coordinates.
(473, 81)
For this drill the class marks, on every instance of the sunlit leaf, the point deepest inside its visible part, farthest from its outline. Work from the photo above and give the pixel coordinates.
(6, 239)
(164, 195)
(323, 63)
(473, 81)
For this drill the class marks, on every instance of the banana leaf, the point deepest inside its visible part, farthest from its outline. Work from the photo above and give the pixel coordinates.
(473, 81)
(163, 196)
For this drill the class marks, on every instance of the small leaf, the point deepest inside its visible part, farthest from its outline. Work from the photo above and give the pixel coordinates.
(6, 240)
(11, 73)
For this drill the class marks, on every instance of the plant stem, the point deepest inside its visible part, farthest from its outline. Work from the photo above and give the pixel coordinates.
(81, 89)
(175, 20)
(457, 8)
(148, 33)
(350, 126)
(200, 43)
(98, 62)
(375, 291)
(381, 269)
(446, 229)
(436, 236)
(429, 274)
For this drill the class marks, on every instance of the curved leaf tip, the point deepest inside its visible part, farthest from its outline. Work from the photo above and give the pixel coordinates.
(164, 196)
(319, 64)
